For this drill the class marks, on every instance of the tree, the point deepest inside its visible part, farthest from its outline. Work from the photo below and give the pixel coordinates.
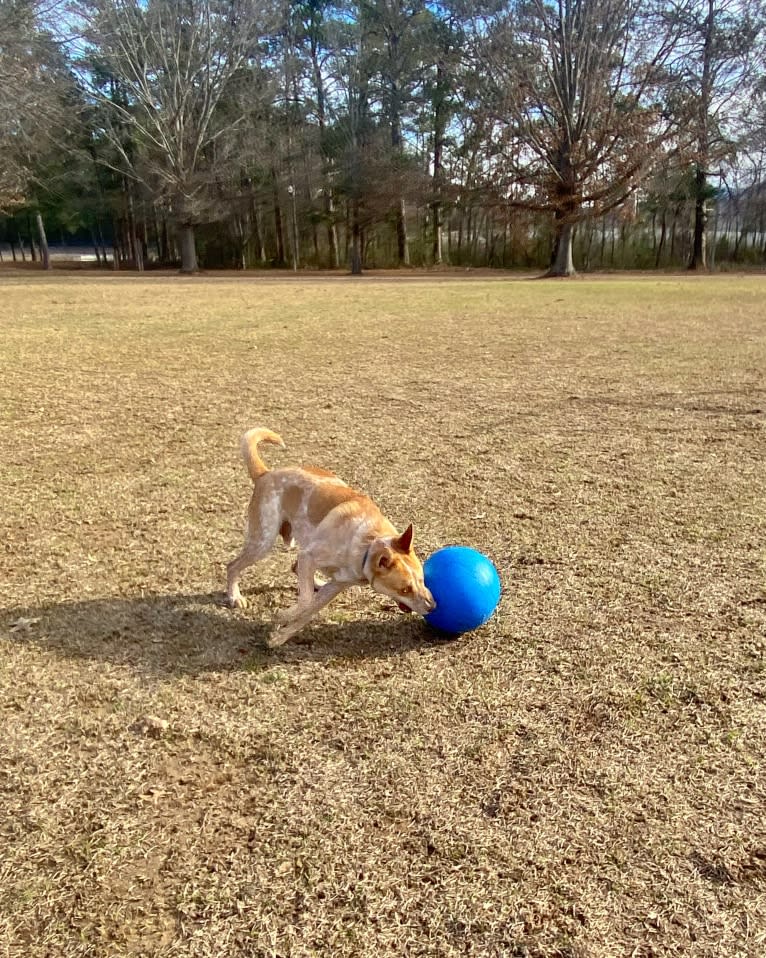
(312, 34)
(163, 71)
(573, 87)
(711, 73)
(440, 97)
(39, 115)
(395, 33)
(348, 140)
(37, 106)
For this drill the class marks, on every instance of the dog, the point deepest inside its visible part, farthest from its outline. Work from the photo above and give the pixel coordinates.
(340, 533)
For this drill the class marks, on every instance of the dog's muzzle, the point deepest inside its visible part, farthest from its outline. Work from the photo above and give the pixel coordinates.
(429, 603)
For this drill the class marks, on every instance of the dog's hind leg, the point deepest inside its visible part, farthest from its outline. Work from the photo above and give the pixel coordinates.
(251, 553)
(263, 527)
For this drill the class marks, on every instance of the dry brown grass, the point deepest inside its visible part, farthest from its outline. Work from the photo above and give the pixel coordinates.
(583, 777)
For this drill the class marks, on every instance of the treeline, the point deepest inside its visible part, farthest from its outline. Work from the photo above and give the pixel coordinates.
(385, 133)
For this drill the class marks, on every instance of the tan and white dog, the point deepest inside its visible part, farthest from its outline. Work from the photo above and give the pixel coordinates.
(339, 532)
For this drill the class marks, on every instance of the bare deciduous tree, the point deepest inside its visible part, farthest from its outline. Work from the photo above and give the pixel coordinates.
(313, 26)
(712, 69)
(573, 91)
(170, 67)
(395, 31)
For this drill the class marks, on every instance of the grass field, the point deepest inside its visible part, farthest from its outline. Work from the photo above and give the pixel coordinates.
(581, 778)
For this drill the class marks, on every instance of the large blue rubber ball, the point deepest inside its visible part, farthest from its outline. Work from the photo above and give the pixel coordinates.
(465, 586)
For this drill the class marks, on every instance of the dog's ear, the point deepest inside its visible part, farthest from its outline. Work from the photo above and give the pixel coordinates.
(404, 542)
(384, 560)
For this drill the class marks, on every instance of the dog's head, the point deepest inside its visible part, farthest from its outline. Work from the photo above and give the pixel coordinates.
(398, 573)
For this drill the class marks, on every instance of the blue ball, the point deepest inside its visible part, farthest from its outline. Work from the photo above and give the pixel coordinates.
(465, 586)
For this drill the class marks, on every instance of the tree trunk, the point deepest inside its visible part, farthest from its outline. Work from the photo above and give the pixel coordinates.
(164, 243)
(588, 244)
(144, 238)
(99, 241)
(563, 264)
(315, 244)
(332, 229)
(714, 244)
(395, 121)
(260, 251)
(402, 240)
(296, 239)
(115, 245)
(699, 243)
(95, 246)
(133, 242)
(356, 242)
(739, 242)
(329, 208)
(673, 233)
(440, 126)
(565, 215)
(278, 221)
(126, 244)
(241, 241)
(157, 234)
(436, 205)
(471, 233)
(663, 234)
(188, 250)
(436, 250)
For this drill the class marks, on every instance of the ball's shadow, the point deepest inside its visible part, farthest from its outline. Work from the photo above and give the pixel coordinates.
(195, 633)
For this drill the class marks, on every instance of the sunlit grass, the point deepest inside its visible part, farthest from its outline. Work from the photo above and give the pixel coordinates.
(581, 777)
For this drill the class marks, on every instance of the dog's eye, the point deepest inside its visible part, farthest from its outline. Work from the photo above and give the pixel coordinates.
(406, 590)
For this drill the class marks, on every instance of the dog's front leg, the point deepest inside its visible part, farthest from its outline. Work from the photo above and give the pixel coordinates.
(304, 568)
(305, 613)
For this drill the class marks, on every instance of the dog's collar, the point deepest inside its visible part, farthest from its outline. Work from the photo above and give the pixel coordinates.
(364, 562)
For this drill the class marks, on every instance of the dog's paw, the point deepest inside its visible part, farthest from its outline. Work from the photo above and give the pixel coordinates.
(237, 602)
(277, 637)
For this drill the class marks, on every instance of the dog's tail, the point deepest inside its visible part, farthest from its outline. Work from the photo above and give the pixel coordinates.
(255, 465)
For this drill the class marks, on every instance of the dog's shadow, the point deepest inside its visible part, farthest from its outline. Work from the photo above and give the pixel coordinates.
(192, 634)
